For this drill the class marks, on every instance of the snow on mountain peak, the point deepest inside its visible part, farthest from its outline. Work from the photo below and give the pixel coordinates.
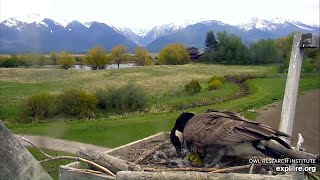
(14, 23)
(142, 32)
(30, 18)
(87, 24)
(61, 22)
(256, 23)
(278, 20)
(11, 22)
(33, 18)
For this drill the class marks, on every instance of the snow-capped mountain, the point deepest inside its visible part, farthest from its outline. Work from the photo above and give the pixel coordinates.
(127, 32)
(143, 37)
(48, 35)
(165, 29)
(35, 33)
(194, 35)
(260, 24)
(13, 23)
(30, 18)
(272, 25)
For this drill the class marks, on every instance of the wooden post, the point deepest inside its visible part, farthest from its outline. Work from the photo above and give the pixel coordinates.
(292, 85)
(16, 162)
(300, 41)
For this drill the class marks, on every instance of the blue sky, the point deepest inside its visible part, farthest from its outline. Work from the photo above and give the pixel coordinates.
(148, 13)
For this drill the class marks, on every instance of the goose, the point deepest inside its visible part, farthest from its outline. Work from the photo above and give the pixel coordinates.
(216, 134)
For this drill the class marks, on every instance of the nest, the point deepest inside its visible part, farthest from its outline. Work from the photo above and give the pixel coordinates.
(160, 155)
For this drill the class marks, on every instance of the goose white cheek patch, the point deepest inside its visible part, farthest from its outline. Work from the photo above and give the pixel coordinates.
(179, 135)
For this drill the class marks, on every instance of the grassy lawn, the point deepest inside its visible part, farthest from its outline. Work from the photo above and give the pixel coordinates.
(163, 84)
(204, 97)
(262, 92)
(118, 130)
(52, 167)
(167, 99)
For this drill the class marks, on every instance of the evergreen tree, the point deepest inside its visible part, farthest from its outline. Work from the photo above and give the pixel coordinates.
(211, 43)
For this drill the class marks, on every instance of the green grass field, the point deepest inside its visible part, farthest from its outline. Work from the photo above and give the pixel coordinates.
(163, 84)
(167, 99)
(121, 129)
(52, 167)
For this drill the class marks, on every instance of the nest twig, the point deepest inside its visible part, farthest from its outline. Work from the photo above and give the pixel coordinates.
(230, 169)
(145, 156)
(51, 158)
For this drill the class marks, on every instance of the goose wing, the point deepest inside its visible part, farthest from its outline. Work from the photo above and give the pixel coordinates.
(225, 128)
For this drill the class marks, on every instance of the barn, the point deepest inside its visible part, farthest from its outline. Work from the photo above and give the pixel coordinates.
(194, 53)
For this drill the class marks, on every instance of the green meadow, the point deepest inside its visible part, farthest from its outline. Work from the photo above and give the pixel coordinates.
(166, 98)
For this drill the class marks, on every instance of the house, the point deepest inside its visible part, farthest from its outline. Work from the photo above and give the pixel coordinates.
(194, 53)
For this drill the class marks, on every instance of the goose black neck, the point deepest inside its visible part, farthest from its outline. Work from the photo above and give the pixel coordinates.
(182, 121)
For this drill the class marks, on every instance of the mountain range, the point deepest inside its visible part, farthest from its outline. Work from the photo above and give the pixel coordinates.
(46, 35)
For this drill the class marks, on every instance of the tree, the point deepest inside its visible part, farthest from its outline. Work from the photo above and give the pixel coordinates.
(54, 57)
(66, 60)
(174, 54)
(284, 45)
(230, 50)
(211, 43)
(13, 61)
(314, 55)
(142, 56)
(40, 59)
(97, 58)
(264, 51)
(119, 54)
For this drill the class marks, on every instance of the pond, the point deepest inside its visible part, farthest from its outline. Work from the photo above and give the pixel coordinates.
(109, 66)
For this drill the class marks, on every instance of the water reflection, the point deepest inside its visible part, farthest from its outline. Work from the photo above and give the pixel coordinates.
(109, 66)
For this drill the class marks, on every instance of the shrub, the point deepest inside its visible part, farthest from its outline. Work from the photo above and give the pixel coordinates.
(142, 57)
(193, 87)
(12, 62)
(109, 99)
(174, 54)
(78, 103)
(214, 84)
(41, 106)
(133, 98)
(66, 60)
(220, 78)
(156, 62)
(97, 58)
(127, 98)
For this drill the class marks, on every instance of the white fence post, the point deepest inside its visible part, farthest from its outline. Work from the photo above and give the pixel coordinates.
(300, 41)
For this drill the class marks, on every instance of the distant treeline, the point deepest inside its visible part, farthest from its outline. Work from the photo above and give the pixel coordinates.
(97, 58)
(224, 48)
(228, 49)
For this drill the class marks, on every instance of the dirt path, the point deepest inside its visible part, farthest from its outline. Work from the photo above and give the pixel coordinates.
(307, 119)
(57, 144)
